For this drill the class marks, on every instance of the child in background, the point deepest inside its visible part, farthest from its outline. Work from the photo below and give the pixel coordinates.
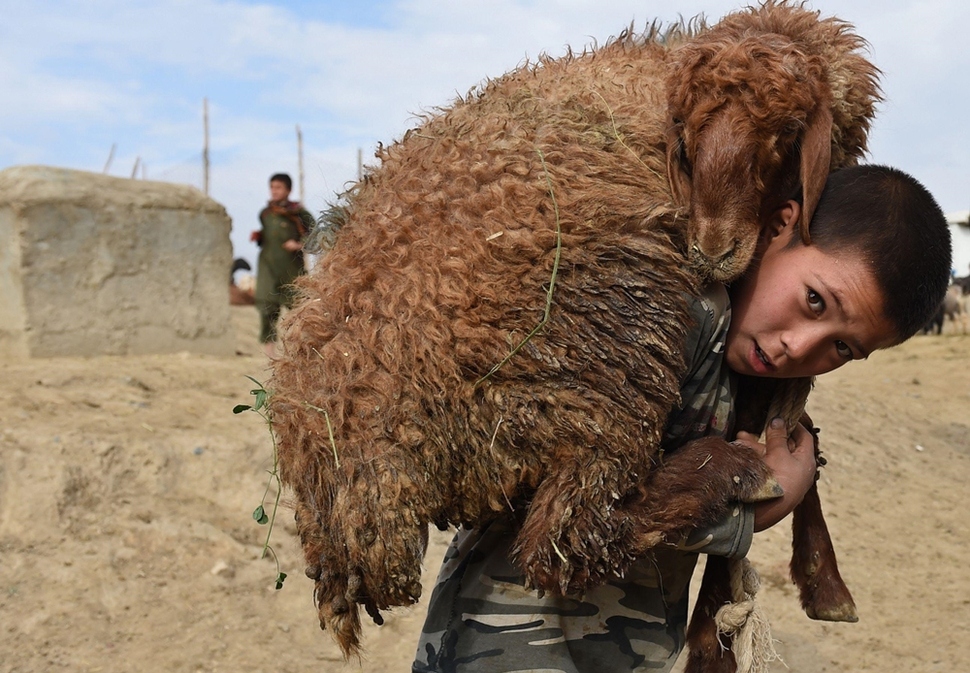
(284, 224)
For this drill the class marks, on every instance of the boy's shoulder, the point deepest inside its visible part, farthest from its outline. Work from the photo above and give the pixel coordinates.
(710, 312)
(714, 301)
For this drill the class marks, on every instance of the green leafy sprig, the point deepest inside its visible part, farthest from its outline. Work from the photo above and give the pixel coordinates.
(259, 514)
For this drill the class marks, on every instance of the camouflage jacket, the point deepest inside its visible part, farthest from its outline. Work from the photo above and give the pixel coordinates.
(482, 619)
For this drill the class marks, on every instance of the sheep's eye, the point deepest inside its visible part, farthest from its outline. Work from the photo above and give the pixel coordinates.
(682, 157)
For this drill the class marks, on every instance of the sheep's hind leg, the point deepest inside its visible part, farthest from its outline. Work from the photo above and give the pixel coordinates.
(328, 567)
(367, 554)
(564, 542)
(814, 570)
(706, 651)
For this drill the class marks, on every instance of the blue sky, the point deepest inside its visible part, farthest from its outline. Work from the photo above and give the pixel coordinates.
(79, 76)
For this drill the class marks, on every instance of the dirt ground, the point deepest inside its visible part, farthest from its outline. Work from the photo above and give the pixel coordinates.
(127, 543)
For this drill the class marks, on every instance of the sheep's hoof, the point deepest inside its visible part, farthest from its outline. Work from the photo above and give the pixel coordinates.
(844, 612)
(374, 613)
(769, 490)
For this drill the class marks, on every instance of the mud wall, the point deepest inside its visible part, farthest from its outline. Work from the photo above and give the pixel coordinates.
(97, 265)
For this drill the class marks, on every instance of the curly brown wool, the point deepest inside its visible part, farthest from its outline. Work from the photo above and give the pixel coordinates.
(443, 267)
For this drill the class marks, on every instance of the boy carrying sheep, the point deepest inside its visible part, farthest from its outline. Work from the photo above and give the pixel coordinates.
(875, 270)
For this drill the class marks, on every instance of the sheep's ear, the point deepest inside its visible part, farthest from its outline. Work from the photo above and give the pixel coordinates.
(676, 174)
(816, 155)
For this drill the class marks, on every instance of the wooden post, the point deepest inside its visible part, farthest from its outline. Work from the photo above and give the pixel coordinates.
(299, 152)
(134, 171)
(205, 146)
(111, 156)
(360, 164)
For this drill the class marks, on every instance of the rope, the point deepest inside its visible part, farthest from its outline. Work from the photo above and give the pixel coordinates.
(745, 622)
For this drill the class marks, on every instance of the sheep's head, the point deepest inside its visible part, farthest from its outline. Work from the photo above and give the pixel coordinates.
(853, 80)
(749, 120)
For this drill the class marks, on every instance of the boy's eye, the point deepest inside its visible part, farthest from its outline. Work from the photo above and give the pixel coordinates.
(815, 301)
(844, 350)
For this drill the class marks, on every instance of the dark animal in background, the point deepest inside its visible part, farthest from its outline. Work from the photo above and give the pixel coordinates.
(963, 282)
(240, 294)
(541, 224)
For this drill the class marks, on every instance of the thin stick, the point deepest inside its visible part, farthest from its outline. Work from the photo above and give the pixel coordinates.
(492, 446)
(558, 553)
(299, 154)
(205, 146)
(333, 443)
(111, 155)
(619, 138)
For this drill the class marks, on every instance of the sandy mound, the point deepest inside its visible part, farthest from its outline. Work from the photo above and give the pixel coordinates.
(127, 543)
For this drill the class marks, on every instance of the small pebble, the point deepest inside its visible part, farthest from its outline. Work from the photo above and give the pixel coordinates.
(223, 569)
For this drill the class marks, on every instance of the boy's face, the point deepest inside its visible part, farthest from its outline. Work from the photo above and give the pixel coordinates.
(800, 311)
(278, 191)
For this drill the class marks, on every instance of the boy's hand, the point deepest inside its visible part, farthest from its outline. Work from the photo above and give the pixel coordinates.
(292, 245)
(791, 461)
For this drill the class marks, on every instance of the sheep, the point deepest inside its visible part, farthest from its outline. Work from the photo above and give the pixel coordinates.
(500, 318)
(952, 307)
(835, 94)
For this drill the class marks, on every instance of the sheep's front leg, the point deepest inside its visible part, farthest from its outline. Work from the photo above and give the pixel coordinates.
(579, 530)
(694, 487)
(814, 569)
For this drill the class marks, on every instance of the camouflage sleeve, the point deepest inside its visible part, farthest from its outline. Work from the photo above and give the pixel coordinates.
(707, 390)
(729, 537)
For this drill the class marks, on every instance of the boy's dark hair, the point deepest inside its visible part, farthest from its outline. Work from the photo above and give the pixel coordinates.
(284, 178)
(898, 227)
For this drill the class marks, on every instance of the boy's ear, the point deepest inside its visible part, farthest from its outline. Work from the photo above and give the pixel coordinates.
(785, 218)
